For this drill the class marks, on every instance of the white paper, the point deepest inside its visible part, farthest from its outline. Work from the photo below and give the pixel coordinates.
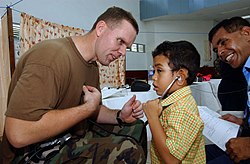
(109, 92)
(217, 130)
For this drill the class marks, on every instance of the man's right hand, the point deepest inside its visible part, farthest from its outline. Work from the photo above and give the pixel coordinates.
(232, 118)
(92, 96)
(21, 132)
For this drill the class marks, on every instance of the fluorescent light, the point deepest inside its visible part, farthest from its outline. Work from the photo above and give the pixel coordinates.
(246, 16)
(235, 10)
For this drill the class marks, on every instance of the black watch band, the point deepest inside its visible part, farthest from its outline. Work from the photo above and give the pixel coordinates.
(118, 119)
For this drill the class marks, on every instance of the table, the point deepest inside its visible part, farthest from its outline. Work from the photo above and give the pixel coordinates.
(118, 102)
(205, 94)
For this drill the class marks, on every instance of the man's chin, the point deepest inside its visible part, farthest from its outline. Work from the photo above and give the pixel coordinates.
(106, 63)
(235, 64)
(111, 61)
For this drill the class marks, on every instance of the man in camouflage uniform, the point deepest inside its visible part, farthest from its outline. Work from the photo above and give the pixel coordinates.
(54, 110)
(96, 147)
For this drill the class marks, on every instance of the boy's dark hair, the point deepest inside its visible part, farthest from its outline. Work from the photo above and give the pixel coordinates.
(114, 15)
(230, 25)
(181, 54)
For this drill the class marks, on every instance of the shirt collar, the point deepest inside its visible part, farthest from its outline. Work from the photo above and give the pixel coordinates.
(246, 68)
(176, 96)
(247, 64)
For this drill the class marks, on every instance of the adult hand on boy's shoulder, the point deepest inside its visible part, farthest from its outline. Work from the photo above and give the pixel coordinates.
(238, 148)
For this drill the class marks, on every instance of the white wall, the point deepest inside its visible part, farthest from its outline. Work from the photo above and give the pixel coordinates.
(83, 13)
(193, 31)
(77, 13)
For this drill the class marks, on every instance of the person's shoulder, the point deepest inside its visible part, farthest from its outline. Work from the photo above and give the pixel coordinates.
(49, 52)
(185, 89)
(55, 43)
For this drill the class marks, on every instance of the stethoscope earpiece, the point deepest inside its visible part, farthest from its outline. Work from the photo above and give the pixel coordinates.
(179, 78)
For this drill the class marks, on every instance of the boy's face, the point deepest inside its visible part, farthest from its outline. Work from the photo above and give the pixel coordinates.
(163, 75)
(232, 48)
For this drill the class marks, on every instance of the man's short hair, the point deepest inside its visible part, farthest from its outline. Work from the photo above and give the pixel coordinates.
(114, 15)
(230, 25)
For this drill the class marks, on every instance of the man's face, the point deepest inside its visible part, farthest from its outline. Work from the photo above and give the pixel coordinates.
(232, 48)
(113, 42)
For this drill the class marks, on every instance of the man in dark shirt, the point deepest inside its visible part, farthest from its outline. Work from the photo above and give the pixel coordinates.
(230, 39)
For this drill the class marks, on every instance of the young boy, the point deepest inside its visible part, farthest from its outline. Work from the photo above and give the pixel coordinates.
(174, 119)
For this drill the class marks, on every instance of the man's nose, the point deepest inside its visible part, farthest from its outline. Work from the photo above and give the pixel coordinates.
(122, 50)
(221, 51)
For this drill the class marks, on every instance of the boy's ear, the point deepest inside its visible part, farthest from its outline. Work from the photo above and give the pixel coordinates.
(182, 76)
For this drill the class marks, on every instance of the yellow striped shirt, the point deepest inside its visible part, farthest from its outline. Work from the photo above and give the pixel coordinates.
(183, 126)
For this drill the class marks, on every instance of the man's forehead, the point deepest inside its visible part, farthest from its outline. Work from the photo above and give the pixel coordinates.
(221, 33)
(127, 35)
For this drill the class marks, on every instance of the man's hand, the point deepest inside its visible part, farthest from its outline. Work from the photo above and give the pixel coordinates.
(21, 133)
(238, 148)
(131, 110)
(232, 118)
(92, 97)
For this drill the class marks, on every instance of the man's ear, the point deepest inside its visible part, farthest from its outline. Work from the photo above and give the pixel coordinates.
(245, 31)
(100, 26)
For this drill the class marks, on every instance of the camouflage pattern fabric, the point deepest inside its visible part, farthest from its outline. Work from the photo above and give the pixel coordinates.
(125, 144)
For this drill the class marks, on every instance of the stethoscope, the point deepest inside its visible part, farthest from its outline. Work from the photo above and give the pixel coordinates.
(169, 86)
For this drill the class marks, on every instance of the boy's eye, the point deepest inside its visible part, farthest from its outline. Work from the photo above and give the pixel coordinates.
(158, 70)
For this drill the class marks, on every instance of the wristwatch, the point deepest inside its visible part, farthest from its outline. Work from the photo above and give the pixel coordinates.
(119, 120)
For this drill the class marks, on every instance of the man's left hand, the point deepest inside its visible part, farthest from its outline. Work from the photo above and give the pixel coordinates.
(132, 110)
(238, 148)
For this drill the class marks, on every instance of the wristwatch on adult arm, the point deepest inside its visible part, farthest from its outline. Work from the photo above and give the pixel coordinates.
(118, 119)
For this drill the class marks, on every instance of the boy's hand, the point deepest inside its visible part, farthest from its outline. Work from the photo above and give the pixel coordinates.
(152, 109)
